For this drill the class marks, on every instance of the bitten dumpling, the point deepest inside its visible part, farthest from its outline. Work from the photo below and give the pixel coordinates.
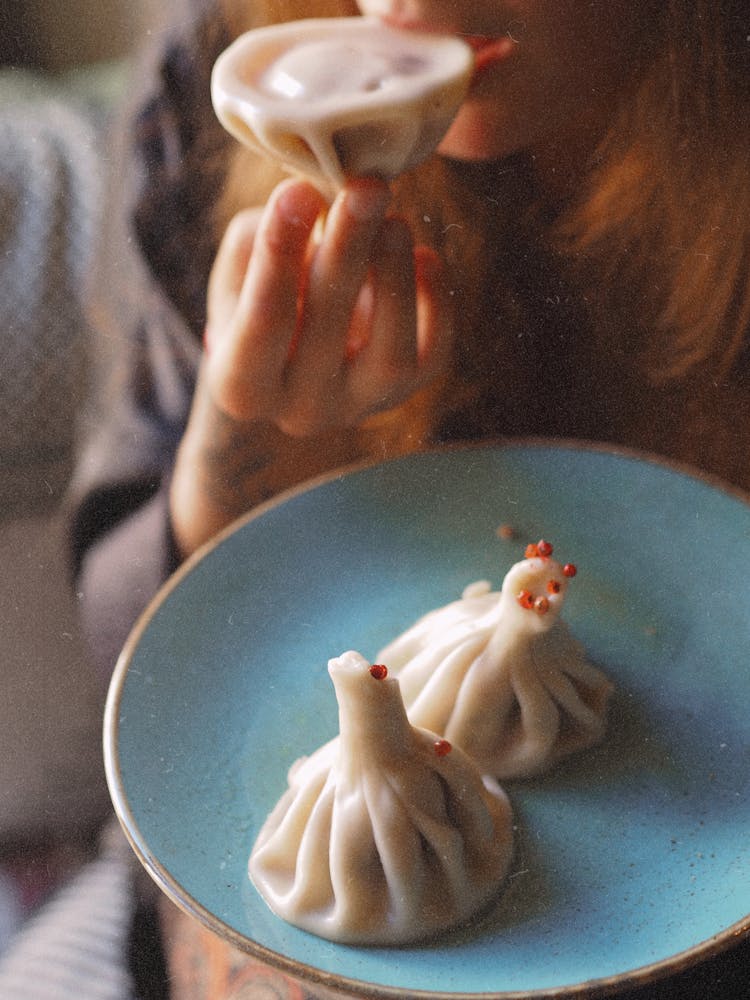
(500, 675)
(386, 834)
(349, 97)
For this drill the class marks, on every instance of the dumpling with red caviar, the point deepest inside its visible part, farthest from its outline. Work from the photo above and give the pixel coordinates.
(386, 834)
(501, 676)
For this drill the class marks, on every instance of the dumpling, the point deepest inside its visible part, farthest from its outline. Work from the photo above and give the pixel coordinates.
(341, 98)
(386, 834)
(500, 675)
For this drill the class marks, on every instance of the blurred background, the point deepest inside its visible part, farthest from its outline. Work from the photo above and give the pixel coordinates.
(63, 68)
(53, 36)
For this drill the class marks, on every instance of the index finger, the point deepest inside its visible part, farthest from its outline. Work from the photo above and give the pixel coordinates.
(230, 267)
(251, 357)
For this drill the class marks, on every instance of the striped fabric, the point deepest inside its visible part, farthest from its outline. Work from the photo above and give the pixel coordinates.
(76, 947)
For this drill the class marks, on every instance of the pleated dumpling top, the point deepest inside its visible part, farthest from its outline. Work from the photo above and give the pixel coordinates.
(501, 676)
(386, 834)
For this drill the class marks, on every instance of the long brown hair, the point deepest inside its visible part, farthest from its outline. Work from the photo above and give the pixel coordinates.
(665, 217)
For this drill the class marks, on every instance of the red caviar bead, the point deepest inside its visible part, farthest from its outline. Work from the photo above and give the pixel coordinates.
(544, 548)
(541, 605)
(526, 599)
(569, 569)
(442, 748)
(531, 552)
(379, 671)
(553, 587)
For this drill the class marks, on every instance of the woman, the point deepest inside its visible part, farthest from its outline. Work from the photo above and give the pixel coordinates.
(575, 261)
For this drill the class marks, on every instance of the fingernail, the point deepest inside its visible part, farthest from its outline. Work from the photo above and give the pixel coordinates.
(367, 199)
(299, 204)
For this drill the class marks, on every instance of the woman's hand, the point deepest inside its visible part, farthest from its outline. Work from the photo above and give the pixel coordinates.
(308, 335)
(310, 330)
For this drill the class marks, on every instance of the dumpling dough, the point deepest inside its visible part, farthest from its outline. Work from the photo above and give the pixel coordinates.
(341, 98)
(502, 677)
(385, 835)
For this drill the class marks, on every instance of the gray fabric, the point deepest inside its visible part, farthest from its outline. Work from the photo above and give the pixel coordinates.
(51, 775)
(51, 191)
(50, 200)
(75, 949)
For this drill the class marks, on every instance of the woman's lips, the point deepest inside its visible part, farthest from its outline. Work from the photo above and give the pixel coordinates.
(487, 48)
(489, 51)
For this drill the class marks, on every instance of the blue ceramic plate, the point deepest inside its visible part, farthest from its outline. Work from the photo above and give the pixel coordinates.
(632, 860)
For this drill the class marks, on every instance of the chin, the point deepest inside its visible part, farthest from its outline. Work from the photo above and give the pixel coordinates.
(474, 147)
(478, 137)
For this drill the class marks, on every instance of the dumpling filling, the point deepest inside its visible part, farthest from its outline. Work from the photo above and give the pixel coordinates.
(387, 834)
(501, 676)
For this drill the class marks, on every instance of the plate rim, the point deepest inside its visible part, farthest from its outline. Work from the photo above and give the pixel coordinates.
(173, 890)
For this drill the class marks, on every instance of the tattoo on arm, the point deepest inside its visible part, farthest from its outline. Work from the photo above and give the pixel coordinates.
(235, 465)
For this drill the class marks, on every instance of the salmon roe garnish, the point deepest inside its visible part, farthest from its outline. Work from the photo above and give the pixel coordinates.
(442, 748)
(554, 587)
(544, 548)
(569, 570)
(379, 671)
(526, 599)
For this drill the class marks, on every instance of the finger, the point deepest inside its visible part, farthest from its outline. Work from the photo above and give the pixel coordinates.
(393, 345)
(230, 266)
(435, 320)
(249, 362)
(385, 367)
(338, 270)
(411, 336)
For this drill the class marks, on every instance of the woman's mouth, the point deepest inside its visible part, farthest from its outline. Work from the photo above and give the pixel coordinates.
(489, 51)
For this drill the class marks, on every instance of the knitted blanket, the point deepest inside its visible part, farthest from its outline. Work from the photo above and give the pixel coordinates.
(50, 201)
